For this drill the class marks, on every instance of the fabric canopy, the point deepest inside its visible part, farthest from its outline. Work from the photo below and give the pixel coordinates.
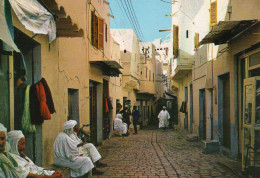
(6, 32)
(35, 17)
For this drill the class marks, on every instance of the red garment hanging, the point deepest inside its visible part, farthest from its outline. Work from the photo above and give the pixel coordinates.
(44, 110)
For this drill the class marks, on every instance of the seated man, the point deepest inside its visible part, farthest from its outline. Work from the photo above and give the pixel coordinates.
(66, 153)
(119, 125)
(7, 162)
(25, 166)
(87, 149)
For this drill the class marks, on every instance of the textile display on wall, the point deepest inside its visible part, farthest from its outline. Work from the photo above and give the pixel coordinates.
(41, 102)
(183, 108)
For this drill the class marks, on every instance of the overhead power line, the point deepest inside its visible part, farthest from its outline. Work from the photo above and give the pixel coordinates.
(170, 2)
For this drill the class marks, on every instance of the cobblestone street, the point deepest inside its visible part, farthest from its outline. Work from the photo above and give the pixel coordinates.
(153, 153)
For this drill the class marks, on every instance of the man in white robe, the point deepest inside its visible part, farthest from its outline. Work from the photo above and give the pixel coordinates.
(26, 167)
(163, 117)
(87, 149)
(119, 125)
(7, 162)
(66, 153)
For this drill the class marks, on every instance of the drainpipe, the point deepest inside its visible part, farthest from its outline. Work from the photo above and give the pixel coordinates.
(211, 115)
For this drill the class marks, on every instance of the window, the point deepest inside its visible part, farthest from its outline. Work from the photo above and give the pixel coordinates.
(149, 75)
(105, 32)
(213, 14)
(141, 73)
(187, 33)
(153, 77)
(175, 40)
(196, 41)
(97, 31)
(145, 72)
(124, 50)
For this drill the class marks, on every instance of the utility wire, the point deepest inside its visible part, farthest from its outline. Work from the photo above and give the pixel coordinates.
(118, 30)
(130, 11)
(170, 2)
(128, 16)
(137, 22)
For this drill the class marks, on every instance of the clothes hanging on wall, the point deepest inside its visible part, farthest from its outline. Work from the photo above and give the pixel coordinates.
(183, 108)
(19, 103)
(106, 105)
(26, 118)
(49, 99)
(41, 104)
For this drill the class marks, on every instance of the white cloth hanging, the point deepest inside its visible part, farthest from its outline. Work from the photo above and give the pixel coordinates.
(35, 17)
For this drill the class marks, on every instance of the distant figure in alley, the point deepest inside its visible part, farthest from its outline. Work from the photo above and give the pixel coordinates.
(66, 153)
(163, 117)
(136, 116)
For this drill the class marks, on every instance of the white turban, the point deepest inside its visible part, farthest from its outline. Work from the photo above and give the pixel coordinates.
(119, 116)
(14, 137)
(69, 124)
(164, 107)
(3, 129)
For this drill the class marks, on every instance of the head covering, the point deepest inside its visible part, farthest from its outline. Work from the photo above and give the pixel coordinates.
(3, 129)
(164, 107)
(119, 116)
(69, 124)
(13, 138)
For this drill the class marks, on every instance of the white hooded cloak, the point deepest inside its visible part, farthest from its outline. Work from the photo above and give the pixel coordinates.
(163, 116)
(119, 125)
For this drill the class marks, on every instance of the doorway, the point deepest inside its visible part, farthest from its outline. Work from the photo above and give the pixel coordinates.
(73, 105)
(31, 51)
(4, 88)
(186, 113)
(224, 109)
(93, 110)
(191, 107)
(202, 115)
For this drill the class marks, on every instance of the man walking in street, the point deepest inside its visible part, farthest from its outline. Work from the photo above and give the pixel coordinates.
(126, 116)
(136, 115)
(163, 117)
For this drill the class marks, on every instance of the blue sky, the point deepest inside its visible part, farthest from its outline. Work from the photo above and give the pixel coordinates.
(150, 14)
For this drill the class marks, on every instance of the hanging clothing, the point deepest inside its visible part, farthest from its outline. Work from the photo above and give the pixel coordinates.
(183, 108)
(7, 166)
(19, 104)
(35, 113)
(66, 154)
(110, 106)
(106, 105)
(35, 17)
(88, 149)
(27, 126)
(44, 110)
(49, 99)
(163, 116)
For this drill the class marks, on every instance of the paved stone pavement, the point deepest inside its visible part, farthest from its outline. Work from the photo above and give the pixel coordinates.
(154, 153)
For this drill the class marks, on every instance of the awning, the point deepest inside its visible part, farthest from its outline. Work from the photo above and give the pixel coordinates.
(171, 95)
(225, 31)
(109, 68)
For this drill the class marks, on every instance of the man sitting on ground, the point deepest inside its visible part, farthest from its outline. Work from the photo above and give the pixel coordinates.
(87, 149)
(119, 125)
(25, 166)
(7, 162)
(66, 153)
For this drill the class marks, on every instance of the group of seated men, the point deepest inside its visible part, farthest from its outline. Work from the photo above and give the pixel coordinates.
(68, 151)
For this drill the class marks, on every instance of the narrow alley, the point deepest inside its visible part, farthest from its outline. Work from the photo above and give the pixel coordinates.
(153, 153)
